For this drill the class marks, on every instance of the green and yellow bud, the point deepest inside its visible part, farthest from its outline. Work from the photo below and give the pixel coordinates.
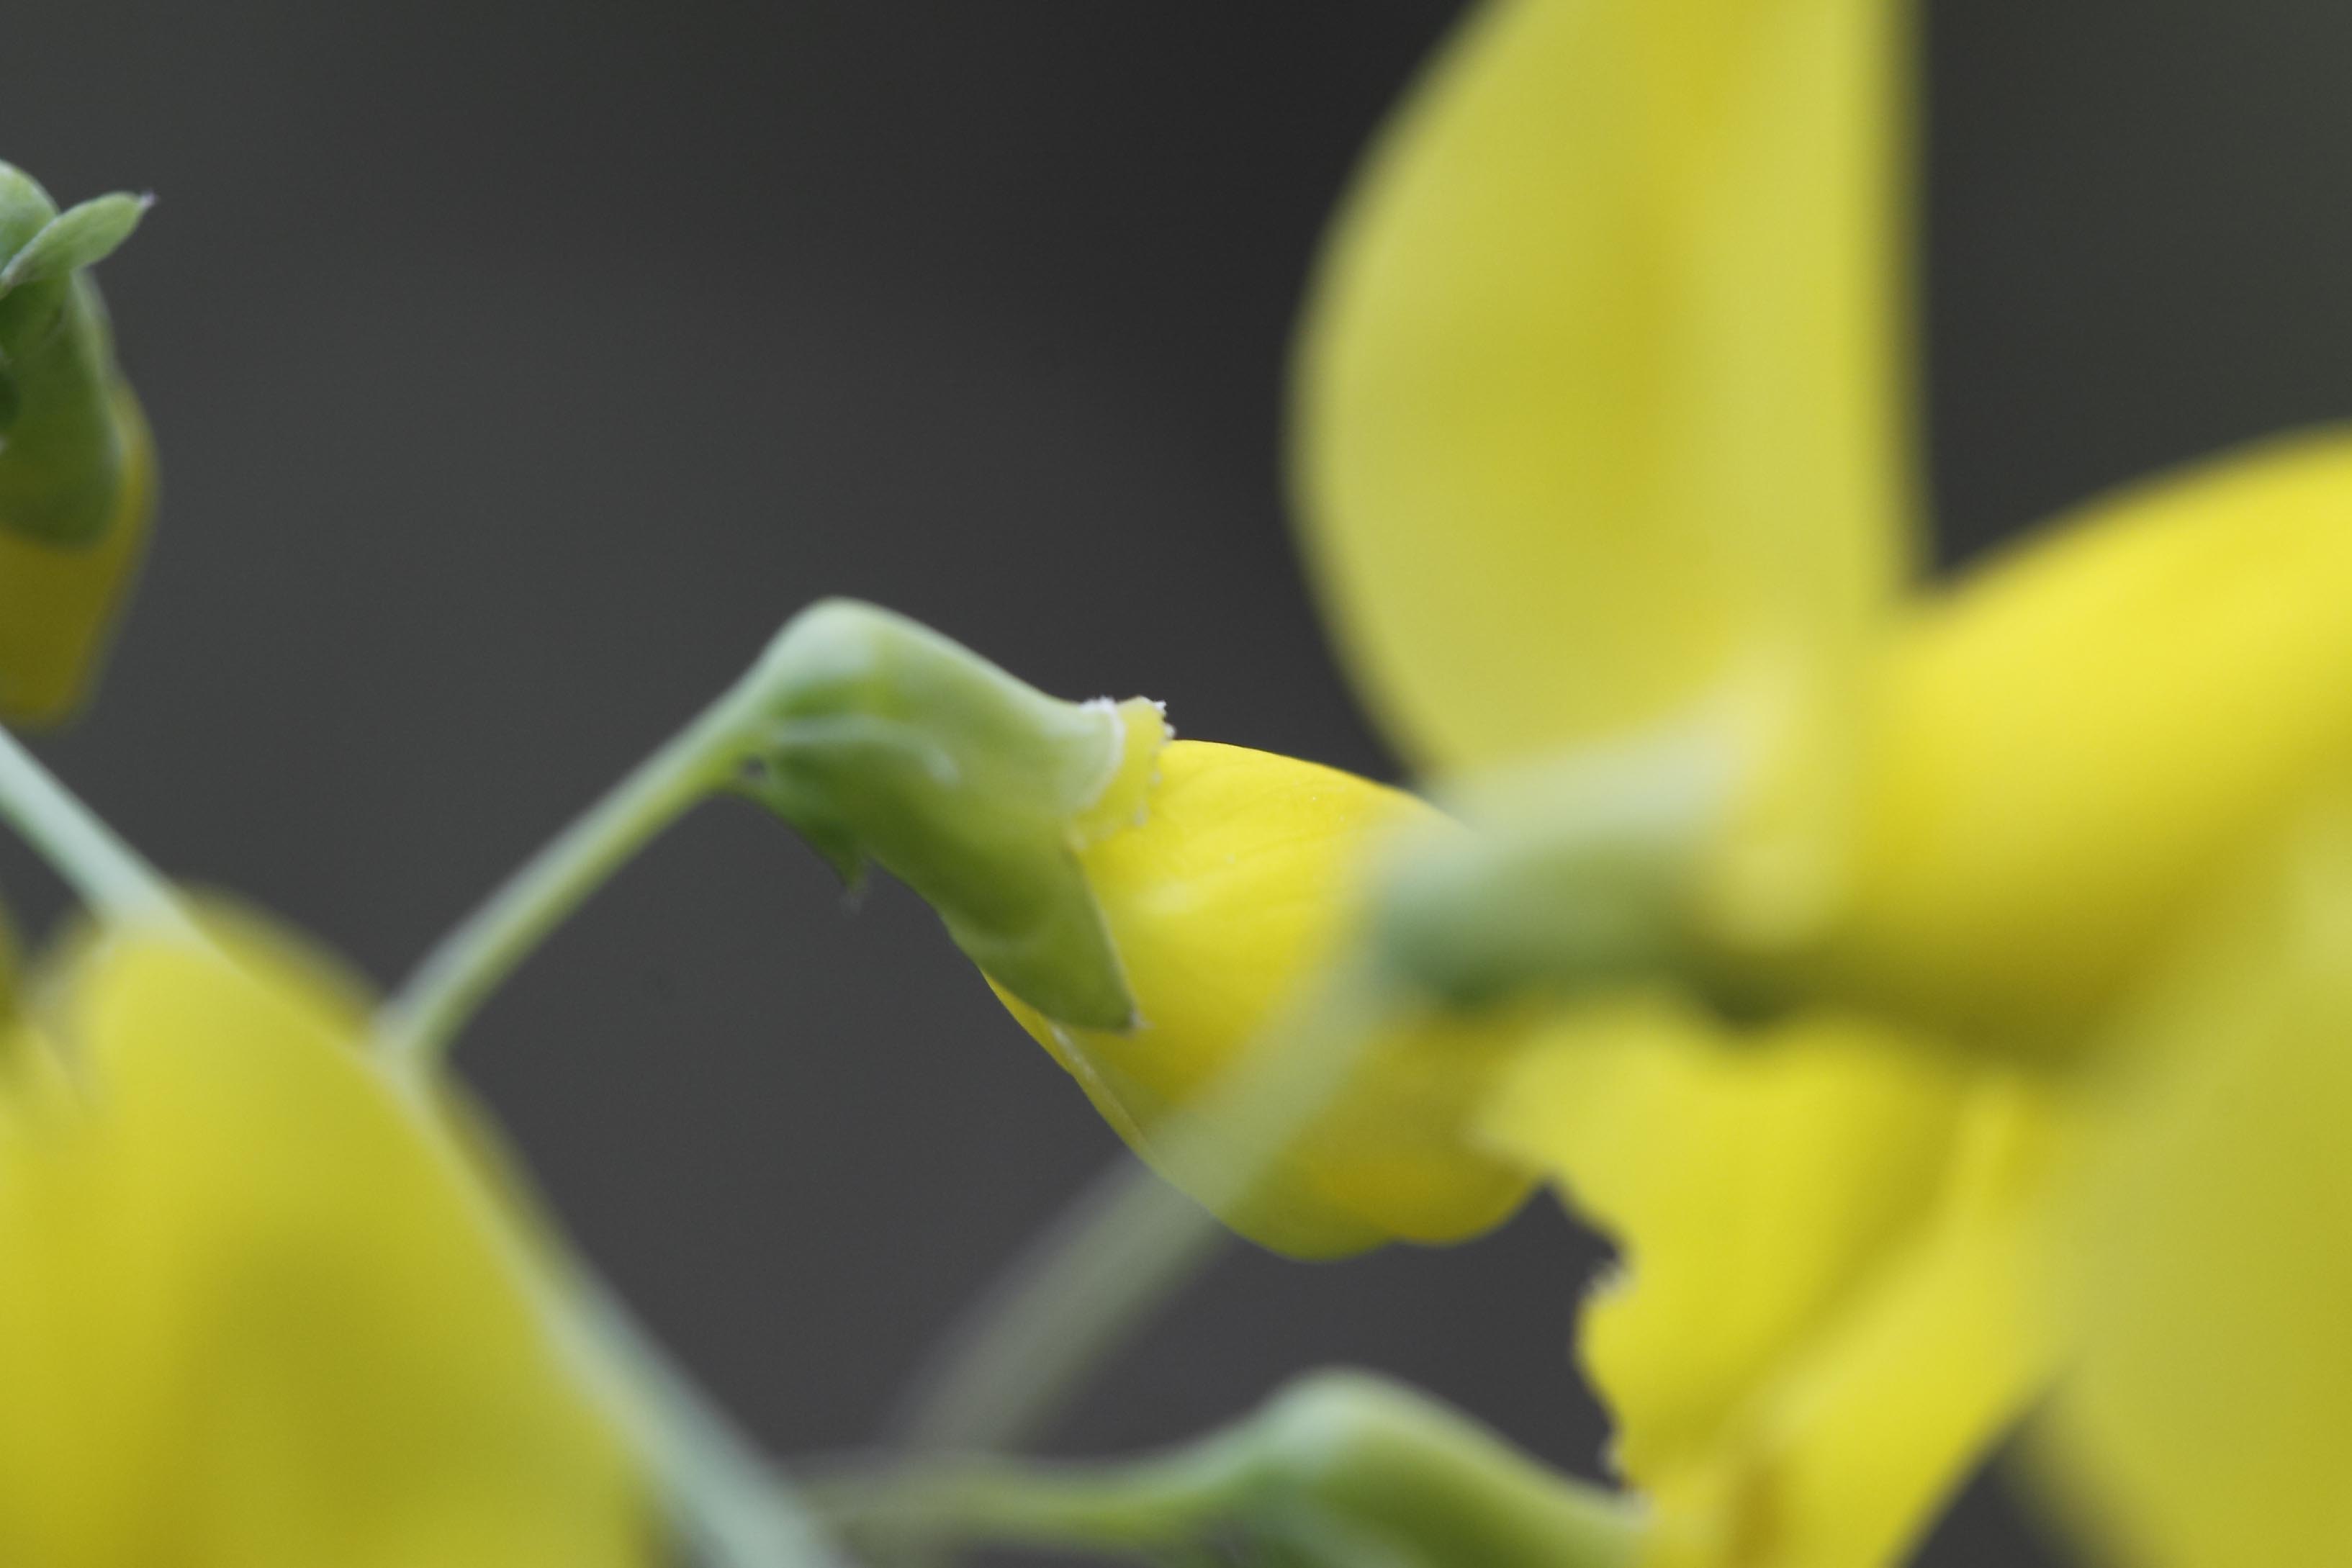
(77, 465)
(1150, 909)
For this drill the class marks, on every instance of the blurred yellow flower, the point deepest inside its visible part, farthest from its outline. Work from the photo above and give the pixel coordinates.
(1603, 425)
(251, 1315)
(2209, 1417)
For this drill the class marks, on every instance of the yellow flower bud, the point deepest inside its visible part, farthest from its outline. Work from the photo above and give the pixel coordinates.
(1231, 895)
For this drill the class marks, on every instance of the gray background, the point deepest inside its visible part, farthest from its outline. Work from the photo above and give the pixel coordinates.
(518, 365)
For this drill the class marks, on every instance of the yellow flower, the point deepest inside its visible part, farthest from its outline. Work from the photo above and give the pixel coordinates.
(1603, 426)
(251, 1316)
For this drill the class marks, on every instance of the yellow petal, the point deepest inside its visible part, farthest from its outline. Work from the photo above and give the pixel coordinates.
(250, 1318)
(2210, 1422)
(2078, 736)
(1225, 903)
(1599, 401)
(1831, 1306)
(58, 606)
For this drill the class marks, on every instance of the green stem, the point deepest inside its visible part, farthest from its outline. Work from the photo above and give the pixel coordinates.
(112, 877)
(1129, 1241)
(1009, 1502)
(1341, 1467)
(417, 1026)
(726, 1497)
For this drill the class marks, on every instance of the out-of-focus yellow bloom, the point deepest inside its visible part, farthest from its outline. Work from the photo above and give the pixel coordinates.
(1601, 405)
(1830, 1296)
(251, 1316)
(1235, 887)
(1603, 427)
(2072, 742)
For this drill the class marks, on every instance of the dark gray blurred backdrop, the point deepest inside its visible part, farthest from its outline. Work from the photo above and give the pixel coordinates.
(518, 365)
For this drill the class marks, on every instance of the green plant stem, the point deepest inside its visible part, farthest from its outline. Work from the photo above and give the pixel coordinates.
(1341, 1467)
(1130, 1241)
(425, 1016)
(1011, 1503)
(726, 1497)
(110, 877)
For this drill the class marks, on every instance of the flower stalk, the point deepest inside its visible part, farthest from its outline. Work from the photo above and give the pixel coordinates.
(1339, 1471)
(108, 875)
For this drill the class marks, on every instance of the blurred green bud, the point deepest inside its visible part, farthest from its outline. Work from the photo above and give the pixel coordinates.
(82, 236)
(883, 742)
(76, 468)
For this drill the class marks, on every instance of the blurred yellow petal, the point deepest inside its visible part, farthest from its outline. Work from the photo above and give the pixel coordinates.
(1225, 903)
(58, 602)
(2209, 1421)
(2077, 737)
(1832, 1303)
(250, 1319)
(1600, 402)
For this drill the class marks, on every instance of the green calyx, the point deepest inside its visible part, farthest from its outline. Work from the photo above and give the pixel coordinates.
(884, 742)
(63, 449)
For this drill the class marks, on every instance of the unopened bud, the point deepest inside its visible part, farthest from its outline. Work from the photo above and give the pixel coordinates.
(77, 468)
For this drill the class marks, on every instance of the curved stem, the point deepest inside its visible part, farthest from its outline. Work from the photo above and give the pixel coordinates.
(418, 1025)
(1340, 1467)
(1130, 1240)
(110, 877)
(729, 1500)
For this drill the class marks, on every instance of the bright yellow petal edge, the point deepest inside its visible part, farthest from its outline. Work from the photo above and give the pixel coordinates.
(1599, 394)
(251, 1319)
(1832, 1298)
